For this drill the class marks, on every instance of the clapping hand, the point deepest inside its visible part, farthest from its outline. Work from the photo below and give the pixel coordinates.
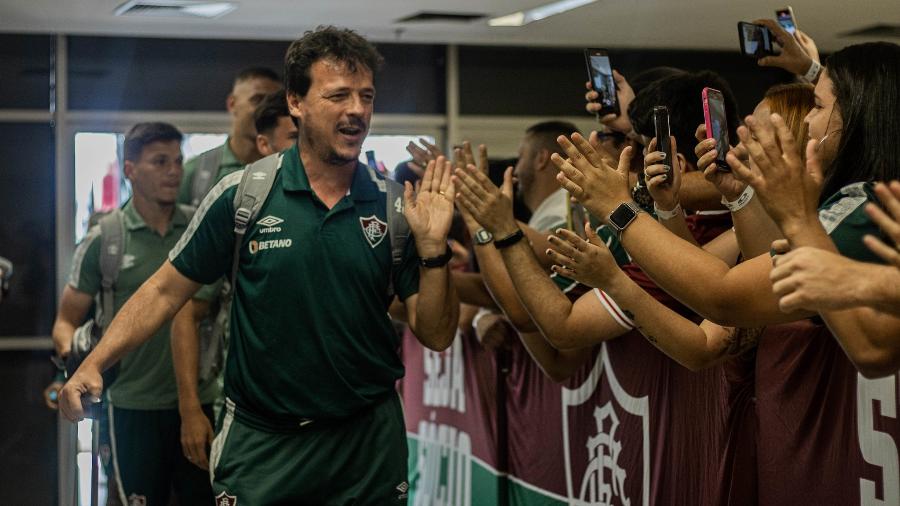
(490, 206)
(421, 155)
(888, 220)
(788, 189)
(591, 178)
(429, 211)
(587, 261)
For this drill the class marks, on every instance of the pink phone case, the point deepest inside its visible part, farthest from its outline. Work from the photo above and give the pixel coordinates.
(706, 113)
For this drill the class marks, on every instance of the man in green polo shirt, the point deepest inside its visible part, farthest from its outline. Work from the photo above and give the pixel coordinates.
(250, 87)
(312, 416)
(143, 423)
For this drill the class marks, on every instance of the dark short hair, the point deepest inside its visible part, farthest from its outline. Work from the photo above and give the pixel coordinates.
(257, 73)
(327, 42)
(682, 94)
(143, 134)
(272, 107)
(866, 84)
(545, 134)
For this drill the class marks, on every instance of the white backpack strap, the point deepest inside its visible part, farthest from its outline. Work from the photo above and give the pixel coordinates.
(398, 227)
(205, 174)
(112, 249)
(251, 194)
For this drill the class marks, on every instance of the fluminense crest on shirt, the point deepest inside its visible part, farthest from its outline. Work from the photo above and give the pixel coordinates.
(223, 499)
(374, 229)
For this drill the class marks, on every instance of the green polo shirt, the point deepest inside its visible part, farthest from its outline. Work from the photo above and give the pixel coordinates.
(228, 165)
(310, 335)
(146, 378)
(844, 218)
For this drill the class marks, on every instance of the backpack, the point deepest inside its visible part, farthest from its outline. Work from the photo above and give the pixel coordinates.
(252, 193)
(204, 176)
(112, 249)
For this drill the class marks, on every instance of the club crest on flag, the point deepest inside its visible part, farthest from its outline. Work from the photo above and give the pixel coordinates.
(605, 463)
(374, 229)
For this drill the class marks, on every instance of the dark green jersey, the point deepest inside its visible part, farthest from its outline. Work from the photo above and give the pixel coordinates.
(228, 164)
(310, 336)
(146, 378)
(844, 218)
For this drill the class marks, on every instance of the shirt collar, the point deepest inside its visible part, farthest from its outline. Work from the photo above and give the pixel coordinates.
(294, 178)
(134, 221)
(228, 157)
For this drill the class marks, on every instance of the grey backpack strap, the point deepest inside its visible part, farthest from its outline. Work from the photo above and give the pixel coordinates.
(205, 174)
(112, 248)
(398, 228)
(251, 194)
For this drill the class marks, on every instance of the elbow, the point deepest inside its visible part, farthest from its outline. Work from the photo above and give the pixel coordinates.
(522, 323)
(876, 363)
(558, 375)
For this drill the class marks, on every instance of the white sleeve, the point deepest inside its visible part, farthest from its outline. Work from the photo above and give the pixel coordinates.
(614, 310)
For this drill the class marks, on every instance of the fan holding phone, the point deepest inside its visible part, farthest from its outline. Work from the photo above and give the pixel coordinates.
(798, 55)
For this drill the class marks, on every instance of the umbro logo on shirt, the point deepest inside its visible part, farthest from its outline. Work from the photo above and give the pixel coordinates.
(268, 224)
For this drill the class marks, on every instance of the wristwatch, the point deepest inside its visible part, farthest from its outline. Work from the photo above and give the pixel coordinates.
(438, 261)
(622, 216)
(483, 237)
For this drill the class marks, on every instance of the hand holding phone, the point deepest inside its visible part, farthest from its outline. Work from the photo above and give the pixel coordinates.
(664, 138)
(756, 40)
(601, 77)
(716, 124)
(786, 19)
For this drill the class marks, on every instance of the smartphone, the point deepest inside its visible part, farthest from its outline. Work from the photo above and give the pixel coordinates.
(601, 77)
(716, 125)
(756, 40)
(786, 19)
(576, 218)
(664, 137)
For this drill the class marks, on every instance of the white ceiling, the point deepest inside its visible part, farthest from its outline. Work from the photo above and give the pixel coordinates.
(684, 24)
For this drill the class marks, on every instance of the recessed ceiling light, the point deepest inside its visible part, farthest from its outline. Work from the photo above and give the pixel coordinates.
(175, 8)
(538, 13)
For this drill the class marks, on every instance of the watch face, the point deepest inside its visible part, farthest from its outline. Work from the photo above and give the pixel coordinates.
(622, 216)
(482, 236)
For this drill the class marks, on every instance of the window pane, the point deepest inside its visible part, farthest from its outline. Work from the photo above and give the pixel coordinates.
(25, 60)
(28, 227)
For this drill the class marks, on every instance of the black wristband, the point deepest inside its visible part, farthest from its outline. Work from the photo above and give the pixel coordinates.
(438, 261)
(509, 240)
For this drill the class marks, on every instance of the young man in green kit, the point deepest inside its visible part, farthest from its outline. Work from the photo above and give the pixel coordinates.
(144, 423)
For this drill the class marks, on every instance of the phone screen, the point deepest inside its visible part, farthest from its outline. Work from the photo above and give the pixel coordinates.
(786, 20)
(717, 125)
(600, 71)
(756, 40)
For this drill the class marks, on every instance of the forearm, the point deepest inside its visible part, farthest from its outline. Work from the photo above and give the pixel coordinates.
(62, 336)
(698, 194)
(870, 339)
(471, 290)
(154, 304)
(437, 309)
(186, 357)
(882, 291)
(558, 365)
(539, 244)
(503, 292)
(547, 307)
(679, 338)
(740, 296)
(678, 226)
(754, 229)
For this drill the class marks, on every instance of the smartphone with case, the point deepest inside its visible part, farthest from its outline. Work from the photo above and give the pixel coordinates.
(786, 19)
(664, 138)
(716, 125)
(756, 40)
(601, 77)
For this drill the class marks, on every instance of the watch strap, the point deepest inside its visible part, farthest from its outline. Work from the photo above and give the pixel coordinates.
(438, 261)
(509, 240)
